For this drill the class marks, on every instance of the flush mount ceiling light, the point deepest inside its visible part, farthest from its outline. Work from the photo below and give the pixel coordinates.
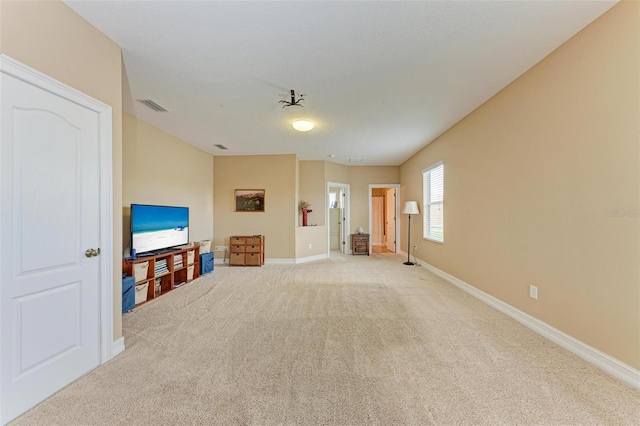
(303, 125)
(294, 106)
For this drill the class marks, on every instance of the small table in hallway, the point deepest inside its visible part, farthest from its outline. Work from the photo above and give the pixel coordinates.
(360, 244)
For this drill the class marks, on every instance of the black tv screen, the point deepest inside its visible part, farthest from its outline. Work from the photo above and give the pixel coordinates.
(158, 227)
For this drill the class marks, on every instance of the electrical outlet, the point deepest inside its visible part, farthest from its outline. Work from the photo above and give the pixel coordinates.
(221, 248)
(533, 292)
(310, 246)
(415, 247)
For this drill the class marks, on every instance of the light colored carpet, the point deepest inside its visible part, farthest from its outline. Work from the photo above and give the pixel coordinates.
(347, 341)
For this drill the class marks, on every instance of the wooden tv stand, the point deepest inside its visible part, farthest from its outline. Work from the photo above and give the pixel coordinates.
(176, 274)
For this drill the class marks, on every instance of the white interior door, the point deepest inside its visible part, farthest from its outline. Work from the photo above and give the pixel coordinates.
(334, 224)
(342, 191)
(344, 240)
(391, 219)
(49, 216)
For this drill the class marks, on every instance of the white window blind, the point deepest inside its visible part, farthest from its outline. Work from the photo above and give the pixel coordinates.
(433, 202)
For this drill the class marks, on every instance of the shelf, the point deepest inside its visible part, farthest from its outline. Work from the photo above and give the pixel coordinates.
(169, 278)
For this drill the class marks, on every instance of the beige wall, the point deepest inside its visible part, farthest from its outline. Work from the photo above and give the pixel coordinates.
(50, 37)
(313, 190)
(316, 236)
(528, 178)
(277, 175)
(312, 240)
(360, 178)
(336, 172)
(158, 168)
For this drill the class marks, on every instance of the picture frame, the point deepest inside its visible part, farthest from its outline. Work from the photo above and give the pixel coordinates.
(249, 200)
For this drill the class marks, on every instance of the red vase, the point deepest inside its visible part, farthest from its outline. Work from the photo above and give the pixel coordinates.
(304, 218)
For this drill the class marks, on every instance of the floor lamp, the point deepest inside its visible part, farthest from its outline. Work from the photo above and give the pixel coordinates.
(410, 207)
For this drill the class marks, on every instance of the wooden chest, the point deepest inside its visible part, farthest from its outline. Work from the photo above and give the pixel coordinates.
(246, 250)
(360, 244)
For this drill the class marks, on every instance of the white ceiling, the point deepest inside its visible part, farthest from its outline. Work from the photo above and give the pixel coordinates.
(382, 79)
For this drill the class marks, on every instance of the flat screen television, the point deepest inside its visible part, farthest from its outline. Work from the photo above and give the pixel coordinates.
(154, 228)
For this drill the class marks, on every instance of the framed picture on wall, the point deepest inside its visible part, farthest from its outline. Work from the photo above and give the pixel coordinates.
(249, 200)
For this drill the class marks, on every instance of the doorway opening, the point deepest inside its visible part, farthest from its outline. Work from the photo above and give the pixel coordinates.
(383, 217)
(338, 229)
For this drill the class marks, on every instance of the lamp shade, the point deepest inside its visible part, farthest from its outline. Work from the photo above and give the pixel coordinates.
(411, 207)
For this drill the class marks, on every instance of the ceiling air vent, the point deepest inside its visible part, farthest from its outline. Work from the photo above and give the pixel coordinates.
(355, 160)
(154, 106)
(220, 146)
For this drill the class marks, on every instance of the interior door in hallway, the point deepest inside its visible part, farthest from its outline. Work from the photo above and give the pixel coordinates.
(335, 216)
(377, 220)
(49, 216)
(338, 197)
(390, 219)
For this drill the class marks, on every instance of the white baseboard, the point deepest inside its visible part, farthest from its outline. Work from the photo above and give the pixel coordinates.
(590, 354)
(117, 347)
(279, 261)
(266, 261)
(414, 260)
(311, 258)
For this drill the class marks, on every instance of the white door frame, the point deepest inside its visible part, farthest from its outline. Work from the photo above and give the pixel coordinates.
(31, 76)
(397, 210)
(347, 212)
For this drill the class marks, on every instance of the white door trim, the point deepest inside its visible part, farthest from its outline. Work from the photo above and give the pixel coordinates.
(31, 76)
(397, 209)
(347, 212)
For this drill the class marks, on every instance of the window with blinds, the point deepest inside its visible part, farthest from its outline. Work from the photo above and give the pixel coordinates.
(433, 202)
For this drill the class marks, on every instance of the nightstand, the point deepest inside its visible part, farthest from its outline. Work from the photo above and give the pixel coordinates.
(360, 244)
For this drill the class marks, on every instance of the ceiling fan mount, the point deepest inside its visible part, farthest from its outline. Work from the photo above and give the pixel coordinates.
(293, 101)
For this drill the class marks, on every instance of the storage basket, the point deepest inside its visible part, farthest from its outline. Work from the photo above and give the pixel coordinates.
(140, 271)
(205, 246)
(191, 257)
(190, 272)
(206, 263)
(141, 292)
(128, 294)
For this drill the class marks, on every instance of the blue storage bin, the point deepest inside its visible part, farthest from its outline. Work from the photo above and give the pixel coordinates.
(206, 263)
(128, 294)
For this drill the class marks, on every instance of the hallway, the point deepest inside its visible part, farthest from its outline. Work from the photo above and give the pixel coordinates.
(380, 249)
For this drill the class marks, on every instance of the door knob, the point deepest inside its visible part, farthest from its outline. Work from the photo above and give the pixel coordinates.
(92, 252)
